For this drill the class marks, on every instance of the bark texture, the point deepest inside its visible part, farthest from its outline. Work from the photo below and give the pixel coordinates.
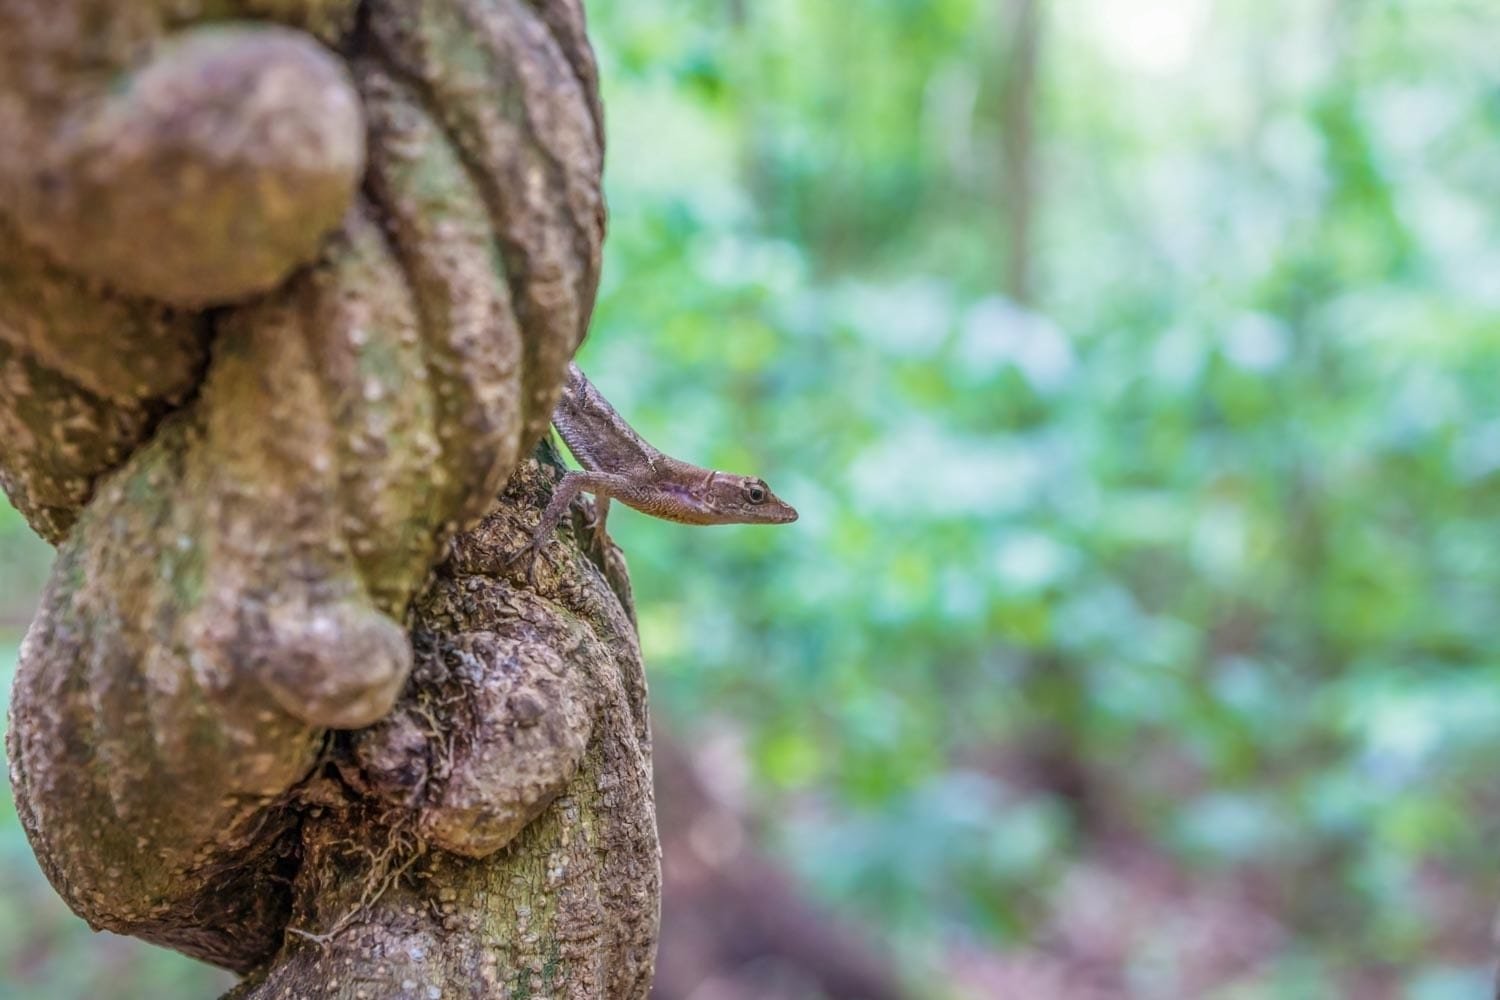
(287, 290)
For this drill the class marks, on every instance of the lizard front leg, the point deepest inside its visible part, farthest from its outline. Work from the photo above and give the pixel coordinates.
(602, 484)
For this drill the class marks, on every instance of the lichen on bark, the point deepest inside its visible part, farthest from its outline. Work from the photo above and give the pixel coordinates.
(287, 289)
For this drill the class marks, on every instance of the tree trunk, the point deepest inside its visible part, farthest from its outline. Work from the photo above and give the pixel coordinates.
(280, 311)
(524, 727)
(1023, 21)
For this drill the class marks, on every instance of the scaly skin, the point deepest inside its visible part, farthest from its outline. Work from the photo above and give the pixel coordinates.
(621, 465)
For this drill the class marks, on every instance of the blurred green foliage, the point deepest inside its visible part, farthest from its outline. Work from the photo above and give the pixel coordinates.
(1191, 558)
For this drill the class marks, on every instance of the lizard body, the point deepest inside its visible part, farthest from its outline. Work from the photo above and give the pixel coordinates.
(618, 464)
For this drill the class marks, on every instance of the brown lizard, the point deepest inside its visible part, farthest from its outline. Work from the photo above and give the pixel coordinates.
(618, 464)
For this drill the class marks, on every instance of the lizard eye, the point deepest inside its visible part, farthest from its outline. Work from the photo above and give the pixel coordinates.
(755, 493)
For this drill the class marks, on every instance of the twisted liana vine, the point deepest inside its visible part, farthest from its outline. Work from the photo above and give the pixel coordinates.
(287, 289)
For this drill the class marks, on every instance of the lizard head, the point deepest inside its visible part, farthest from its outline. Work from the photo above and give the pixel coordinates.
(747, 500)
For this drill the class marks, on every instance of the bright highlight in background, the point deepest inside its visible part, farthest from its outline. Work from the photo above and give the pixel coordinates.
(1158, 37)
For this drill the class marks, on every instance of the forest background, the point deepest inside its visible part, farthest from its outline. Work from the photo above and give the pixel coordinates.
(1136, 369)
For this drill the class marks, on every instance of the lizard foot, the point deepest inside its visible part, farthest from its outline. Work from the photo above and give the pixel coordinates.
(526, 555)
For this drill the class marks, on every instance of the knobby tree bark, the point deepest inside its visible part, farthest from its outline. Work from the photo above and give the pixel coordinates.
(287, 289)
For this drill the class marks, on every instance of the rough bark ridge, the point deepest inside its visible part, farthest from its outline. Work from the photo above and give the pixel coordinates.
(287, 288)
